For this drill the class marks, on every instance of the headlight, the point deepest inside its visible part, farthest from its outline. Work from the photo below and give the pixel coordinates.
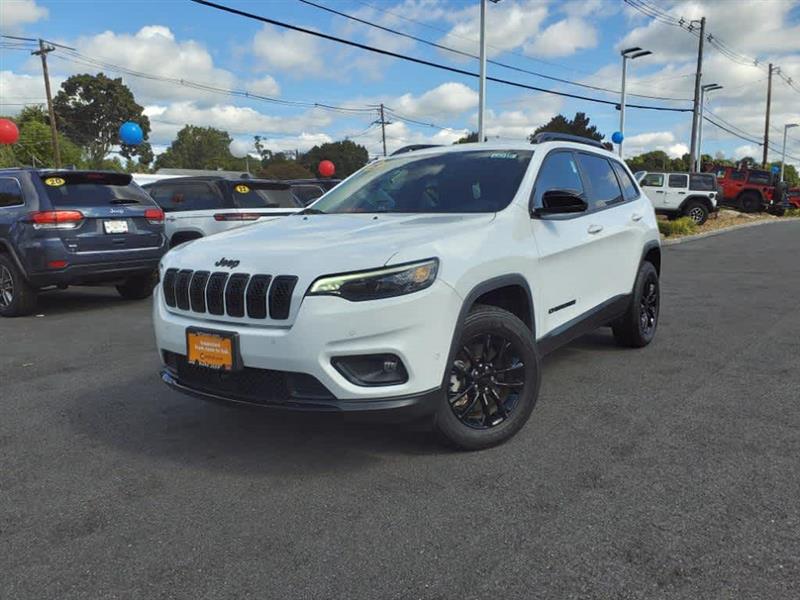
(380, 283)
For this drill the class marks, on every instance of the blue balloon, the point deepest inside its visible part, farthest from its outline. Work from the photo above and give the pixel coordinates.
(617, 137)
(130, 133)
(775, 169)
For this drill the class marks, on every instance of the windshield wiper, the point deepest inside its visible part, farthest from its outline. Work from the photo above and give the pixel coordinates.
(311, 211)
(124, 201)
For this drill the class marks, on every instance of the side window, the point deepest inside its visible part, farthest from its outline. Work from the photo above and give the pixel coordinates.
(558, 172)
(629, 189)
(758, 178)
(702, 182)
(175, 197)
(678, 181)
(653, 180)
(737, 175)
(10, 192)
(604, 188)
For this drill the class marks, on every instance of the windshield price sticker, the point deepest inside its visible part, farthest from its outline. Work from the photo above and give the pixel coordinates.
(242, 189)
(54, 181)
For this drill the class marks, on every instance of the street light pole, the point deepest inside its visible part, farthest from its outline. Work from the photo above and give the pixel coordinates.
(703, 89)
(482, 82)
(783, 154)
(627, 54)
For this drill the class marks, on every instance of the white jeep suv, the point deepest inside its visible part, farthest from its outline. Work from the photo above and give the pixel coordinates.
(692, 195)
(426, 284)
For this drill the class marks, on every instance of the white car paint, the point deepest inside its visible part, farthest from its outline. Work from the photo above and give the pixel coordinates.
(589, 258)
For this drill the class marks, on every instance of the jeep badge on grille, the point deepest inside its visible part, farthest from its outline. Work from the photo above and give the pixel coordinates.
(224, 262)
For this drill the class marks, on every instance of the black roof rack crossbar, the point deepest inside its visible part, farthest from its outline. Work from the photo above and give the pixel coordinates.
(551, 136)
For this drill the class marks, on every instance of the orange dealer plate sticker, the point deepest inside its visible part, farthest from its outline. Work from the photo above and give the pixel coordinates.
(212, 350)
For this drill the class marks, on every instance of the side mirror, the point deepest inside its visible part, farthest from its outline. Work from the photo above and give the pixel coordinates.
(559, 202)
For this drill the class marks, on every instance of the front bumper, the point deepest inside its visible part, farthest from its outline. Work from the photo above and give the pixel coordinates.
(418, 328)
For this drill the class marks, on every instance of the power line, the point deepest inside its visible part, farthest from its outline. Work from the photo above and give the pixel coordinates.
(421, 61)
(468, 55)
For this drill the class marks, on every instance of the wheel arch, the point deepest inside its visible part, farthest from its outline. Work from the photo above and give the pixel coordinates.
(652, 254)
(6, 248)
(704, 199)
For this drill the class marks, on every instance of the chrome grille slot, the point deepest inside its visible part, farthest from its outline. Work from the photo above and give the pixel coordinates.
(280, 296)
(257, 296)
(215, 293)
(169, 286)
(234, 294)
(197, 291)
(182, 288)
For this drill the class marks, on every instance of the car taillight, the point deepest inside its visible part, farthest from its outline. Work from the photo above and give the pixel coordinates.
(154, 215)
(56, 219)
(237, 216)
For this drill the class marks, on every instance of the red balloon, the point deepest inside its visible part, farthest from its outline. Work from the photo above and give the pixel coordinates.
(9, 134)
(326, 168)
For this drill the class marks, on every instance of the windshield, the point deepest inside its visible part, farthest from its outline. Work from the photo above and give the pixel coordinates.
(92, 189)
(478, 181)
(251, 194)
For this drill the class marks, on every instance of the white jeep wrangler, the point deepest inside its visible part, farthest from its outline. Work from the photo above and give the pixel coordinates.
(427, 284)
(692, 195)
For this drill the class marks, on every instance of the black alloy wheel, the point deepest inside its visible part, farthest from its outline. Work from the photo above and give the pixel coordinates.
(6, 287)
(487, 380)
(637, 327)
(648, 307)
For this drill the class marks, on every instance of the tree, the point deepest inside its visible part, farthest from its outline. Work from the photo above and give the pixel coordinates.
(657, 160)
(90, 110)
(347, 156)
(471, 137)
(577, 126)
(35, 143)
(200, 148)
(287, 169)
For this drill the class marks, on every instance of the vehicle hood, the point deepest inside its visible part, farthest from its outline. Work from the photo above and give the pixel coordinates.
(313, 245)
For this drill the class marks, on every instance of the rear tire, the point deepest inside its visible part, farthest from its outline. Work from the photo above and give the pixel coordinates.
(493, 382)
(750, 202)
(697, 211)
(138, 287)
(17, 296)
(637, 327)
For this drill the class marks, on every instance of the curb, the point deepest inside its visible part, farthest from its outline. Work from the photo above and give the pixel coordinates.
(699, 236)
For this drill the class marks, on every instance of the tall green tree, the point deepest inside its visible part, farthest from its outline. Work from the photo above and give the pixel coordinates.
(200, 148)
(471, 137)
(90, 109)
(34, 146)
(577, 126)
(347, 156)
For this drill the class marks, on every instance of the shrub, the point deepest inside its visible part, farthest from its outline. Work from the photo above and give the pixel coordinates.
(792, 212)
(682, 226)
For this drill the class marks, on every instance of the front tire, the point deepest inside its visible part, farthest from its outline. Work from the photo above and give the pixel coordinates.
(17, 296)
(637, 327)
(493, 382)
(750, 202)
(697, 211)
(138, 287)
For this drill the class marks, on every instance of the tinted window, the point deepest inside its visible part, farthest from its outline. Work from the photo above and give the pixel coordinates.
(559, 172)
(629, 189)
(307, 193)
(92, 189)
(653, 180)
(10, 192)
(702, 183)
(737, 175)
(453, 182)
(603, 185)
(678, 181)
(174, 197)
(759, 178)
(263, 195)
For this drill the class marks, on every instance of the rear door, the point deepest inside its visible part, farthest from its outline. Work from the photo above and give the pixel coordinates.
(677, 189)
(653, 185)
(108, 211)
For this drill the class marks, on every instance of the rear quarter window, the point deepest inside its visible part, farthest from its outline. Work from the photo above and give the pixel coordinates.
(629, 189)
(702, 183)
(10, 192)
(678, 181)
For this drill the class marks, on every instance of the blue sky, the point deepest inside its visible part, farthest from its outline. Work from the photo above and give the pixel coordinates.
(577, 41)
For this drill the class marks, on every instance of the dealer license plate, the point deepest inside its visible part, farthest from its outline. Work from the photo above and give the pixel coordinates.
(116, 226)
(212, 349)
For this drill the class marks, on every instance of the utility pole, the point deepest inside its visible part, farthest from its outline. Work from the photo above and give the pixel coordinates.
(697, 77)
(383, 129)
(42, 53)
(766, 125)
(482, 79)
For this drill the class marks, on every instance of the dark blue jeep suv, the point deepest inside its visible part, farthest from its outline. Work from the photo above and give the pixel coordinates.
(61, 228)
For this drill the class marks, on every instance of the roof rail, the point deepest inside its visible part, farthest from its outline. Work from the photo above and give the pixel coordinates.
(413, 147)
(551, 136)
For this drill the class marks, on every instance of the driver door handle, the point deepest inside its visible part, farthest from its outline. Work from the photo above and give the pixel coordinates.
(636, 217)
(593, 229)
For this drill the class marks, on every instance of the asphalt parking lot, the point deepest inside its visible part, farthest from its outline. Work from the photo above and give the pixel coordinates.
(670, 472)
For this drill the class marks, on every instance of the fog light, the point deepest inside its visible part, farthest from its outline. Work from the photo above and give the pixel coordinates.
(371, 369)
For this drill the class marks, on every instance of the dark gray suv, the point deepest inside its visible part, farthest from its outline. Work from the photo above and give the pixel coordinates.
(62, 228)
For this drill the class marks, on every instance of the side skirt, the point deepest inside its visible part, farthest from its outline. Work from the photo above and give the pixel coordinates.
(599, 316)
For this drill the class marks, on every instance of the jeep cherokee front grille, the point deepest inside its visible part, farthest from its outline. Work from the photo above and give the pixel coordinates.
(234, 295)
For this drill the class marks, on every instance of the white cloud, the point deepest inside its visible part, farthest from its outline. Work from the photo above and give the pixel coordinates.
(448, 98)
(291, 51)
(747, 150)
(266, 86)
(15, 14)
(155, 50)
(655, 140)
(302, 142)
(563, 38)
(18, 89)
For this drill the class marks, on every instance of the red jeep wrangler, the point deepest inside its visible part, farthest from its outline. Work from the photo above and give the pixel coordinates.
(751, 190)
